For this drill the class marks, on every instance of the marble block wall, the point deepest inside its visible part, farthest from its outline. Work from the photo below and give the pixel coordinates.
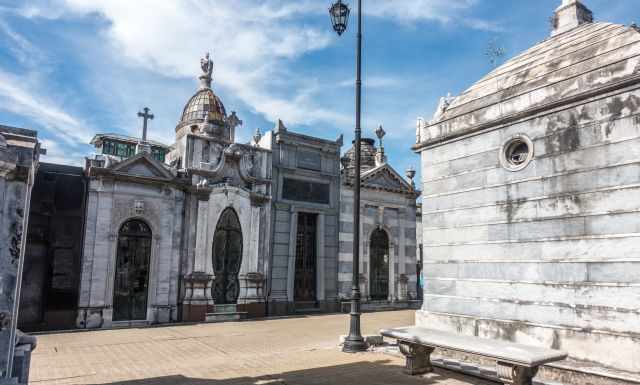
(549, 255)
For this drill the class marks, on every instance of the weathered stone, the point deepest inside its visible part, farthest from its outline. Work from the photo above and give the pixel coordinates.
(546, 254)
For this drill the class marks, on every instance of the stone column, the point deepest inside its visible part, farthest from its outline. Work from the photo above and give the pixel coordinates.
(16, 180)
(197, 300)
(202, 227)
(401, 293)
(392, 271)
(291, 266)
(321, 254)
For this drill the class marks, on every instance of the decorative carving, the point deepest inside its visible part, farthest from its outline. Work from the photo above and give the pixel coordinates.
(411, 173)
(515, 375)
(384, 180)
(418, 358)
(5, 320)
(443, 105)
(138, 207)
(16, 237)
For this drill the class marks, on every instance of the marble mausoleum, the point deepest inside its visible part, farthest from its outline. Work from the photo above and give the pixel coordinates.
(208, 228)
(531, 224)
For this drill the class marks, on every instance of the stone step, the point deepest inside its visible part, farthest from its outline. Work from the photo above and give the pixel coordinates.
(225, 308)
(225, 317)
(306, 307)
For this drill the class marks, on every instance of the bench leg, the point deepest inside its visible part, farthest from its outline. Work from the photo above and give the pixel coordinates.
(516, 375)
(418, 358)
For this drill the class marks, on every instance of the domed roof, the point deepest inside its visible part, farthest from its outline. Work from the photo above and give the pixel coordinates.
(367, 155)
(567, 66)
(202, 103)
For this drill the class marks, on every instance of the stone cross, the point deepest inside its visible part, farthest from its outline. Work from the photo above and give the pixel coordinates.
(146, 115)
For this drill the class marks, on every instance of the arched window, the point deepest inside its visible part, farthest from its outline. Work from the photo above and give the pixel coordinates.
(132, 271)
(379, 270)
(227, 258)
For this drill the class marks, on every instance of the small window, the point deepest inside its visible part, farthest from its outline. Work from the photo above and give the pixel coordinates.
(516, 153)
(305, 191)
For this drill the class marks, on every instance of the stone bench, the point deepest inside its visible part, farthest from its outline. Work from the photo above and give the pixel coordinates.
(516, 364)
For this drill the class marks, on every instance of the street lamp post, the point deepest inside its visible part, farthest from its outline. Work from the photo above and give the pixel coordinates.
(354, 342)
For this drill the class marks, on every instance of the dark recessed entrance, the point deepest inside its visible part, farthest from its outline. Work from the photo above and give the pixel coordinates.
(227, 258)
(53, 256)
(305, 278)
(379, 278)
(132, 272)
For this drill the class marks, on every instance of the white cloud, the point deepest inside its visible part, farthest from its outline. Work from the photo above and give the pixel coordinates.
(443, 11)
(253, 42)
(19, 97)
(61, 155)
(21, 48)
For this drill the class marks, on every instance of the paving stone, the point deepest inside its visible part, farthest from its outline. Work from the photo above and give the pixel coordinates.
(300, 350)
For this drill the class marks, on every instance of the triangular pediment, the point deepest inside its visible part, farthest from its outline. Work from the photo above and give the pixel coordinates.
(386, 178)
(142, 165)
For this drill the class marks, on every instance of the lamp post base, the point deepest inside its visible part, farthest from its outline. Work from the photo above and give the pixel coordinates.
(356, 345)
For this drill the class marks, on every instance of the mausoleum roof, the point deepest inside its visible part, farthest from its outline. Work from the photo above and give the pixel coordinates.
(367, 154)
(202, 103)
(572, 65)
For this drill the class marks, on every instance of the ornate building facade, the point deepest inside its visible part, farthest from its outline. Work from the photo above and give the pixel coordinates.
(388, 239)
(207, 229)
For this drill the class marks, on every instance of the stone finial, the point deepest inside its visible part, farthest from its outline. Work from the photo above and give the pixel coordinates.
(410, 174)
(380, 133)
(443, 105)
(380, 157)
(345, 161)
(419, 125)
(569, 15)
(280, 127)
(257, 136)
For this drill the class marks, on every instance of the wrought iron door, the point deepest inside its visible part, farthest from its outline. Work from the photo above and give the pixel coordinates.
(132, 272)
(379, 279)
(227, 258)
(305, 278)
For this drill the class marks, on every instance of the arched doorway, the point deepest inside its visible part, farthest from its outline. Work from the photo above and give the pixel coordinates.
(227, 258)
(306, 258)
(379, 261)
(132, 272)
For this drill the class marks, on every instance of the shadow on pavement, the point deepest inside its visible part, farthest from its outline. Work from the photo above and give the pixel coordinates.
(381, 372)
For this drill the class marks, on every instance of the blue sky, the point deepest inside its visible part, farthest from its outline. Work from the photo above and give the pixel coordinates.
(72, 68)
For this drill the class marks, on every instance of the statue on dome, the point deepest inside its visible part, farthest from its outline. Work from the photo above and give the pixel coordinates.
(207, 65)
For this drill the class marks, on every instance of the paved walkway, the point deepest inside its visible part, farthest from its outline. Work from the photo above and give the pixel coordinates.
(292, 351)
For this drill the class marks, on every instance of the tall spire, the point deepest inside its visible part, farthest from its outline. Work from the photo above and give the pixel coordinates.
(569, 15)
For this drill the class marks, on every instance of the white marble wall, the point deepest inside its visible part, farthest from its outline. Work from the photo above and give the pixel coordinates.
(549, 255)
(110, 204)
